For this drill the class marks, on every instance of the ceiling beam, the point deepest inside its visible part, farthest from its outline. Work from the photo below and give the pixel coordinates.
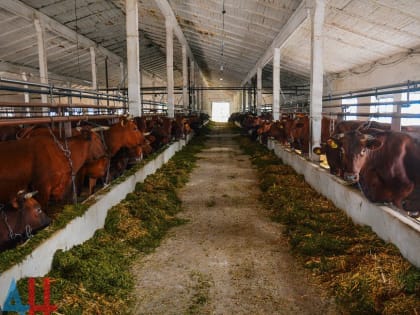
(20, 9)
(294, 22)
(16, 70)
(167, 11)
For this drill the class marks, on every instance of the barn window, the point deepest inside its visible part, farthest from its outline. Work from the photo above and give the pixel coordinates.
(351, 107)
(387, 107)
(412, 109)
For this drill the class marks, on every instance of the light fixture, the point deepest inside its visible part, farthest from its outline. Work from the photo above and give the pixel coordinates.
(221, 79)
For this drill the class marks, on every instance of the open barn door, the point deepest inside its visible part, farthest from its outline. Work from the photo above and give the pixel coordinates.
(220, 111)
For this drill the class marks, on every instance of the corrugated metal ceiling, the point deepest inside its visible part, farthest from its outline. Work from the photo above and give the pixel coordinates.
(357, 32)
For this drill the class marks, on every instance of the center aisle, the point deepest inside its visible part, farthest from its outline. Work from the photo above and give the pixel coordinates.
(230, 258)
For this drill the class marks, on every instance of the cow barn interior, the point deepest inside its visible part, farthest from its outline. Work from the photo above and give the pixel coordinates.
(211, 157)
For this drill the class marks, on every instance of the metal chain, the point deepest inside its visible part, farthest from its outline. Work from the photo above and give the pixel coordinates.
(28, 231)
(12, 235)
(67, 154)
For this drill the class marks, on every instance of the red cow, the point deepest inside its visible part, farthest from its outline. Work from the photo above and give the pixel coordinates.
(119, 138)
(123, 134)
(20, 218)
(43, 162)
(385, 163)
(161, 130)
(299, 134)
(331, 148)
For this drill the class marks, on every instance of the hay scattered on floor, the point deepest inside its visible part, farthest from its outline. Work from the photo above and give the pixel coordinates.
(95, 278)
(365, 274)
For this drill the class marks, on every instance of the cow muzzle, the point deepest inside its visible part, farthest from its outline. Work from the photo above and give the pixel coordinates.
(351, 177)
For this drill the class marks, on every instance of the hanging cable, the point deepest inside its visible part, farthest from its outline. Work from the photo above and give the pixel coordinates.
(222, 48)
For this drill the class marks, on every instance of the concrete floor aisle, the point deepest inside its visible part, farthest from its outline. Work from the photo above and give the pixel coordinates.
(230, 258)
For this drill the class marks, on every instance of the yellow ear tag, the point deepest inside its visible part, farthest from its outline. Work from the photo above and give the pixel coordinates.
(332, 144)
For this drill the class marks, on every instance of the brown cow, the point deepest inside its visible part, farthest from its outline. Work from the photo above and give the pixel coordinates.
(124, 134)
(21, 218)
(119, 138)
(299, 134)
(45, 164)
(332, 149)
(385, 163)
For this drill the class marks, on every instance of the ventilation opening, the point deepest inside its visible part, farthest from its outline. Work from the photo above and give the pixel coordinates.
(220, 111)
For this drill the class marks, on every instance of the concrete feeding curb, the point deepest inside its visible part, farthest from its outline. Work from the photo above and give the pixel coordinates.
(388, 224)
(82, 228)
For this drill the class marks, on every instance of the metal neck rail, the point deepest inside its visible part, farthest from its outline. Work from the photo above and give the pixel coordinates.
(53, 91)
(407, 87)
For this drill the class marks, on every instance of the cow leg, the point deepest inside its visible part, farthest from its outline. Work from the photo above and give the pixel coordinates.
(92, 184)
(80, 178)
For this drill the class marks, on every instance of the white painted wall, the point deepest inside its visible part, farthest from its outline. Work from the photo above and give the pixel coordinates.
(407, 69)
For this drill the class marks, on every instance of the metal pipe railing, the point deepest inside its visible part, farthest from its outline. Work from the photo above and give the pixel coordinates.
(409, 86)
(52, 119)
(402, 103)
(57, 91)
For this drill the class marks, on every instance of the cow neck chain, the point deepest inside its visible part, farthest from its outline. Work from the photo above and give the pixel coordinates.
(12, 235)
(67, 154)
(101, 132)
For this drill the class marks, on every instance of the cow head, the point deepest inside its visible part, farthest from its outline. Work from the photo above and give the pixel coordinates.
(265, 127)
(123, 134)
(23, 217)
(354, 148)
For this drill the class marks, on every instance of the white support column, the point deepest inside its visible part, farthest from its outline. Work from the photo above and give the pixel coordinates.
(396, 121)
(244, 99)
(133, 58)
(185, 77)
(202, 99)
(170, 66)
(122, 75)
(153, 86)
(67, 124)
(25, 95)
(259, 90)
(317, 75)
(250, 96)
(192, 70)
(42, 57)
(93, 71)
(93, 68)
(276, 84)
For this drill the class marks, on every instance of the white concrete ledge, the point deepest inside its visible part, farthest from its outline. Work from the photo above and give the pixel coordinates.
(388, 224)
(80, 229)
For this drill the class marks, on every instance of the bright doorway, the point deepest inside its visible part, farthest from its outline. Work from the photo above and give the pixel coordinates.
(220, 111)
